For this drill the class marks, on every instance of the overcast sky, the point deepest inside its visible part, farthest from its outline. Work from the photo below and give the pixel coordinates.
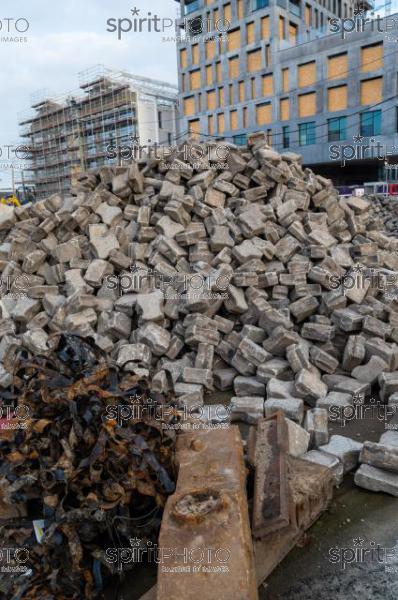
(68, 36)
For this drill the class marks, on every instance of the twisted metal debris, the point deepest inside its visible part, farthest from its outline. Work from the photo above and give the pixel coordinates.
(95, 482)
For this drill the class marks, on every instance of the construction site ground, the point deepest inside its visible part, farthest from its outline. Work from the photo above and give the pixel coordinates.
(306, 573)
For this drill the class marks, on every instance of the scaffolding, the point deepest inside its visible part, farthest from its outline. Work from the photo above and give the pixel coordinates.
(70, 133)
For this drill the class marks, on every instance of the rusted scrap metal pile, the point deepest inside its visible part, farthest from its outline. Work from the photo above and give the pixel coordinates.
(76, 474)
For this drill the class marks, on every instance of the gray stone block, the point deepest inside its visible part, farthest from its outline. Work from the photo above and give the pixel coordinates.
(345, 449)
(377, 480)
(280, 389)
(346, 385)
(252, 352)
(336, 404)
(381, 456)
(224, 378)
(248, 386)
(316, 423)
(370, 372)
(389, 438)
(354, 352)
(298, 438)
(326, 460)
(248, 409)
(198, 376)
(323, 360)
(310, 385)
(150, 306)
(292, 408)
(138, 353)
(157, 338)
(298, 357)
(271, 369)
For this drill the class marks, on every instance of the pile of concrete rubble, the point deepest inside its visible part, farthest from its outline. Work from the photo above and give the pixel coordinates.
(256, 278)
(385, 208)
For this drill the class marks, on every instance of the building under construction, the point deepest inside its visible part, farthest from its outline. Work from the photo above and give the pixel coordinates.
(108, 118)
(319, 77)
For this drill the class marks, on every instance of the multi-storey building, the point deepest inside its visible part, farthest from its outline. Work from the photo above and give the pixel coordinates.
(112, 116)
(280, 69)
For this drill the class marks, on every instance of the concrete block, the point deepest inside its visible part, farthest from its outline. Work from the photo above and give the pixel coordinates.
(345, 449)
(327, 460)
(292, 408)
(380, 455)
(248, 386)
(248, 409)
(299, 438)
(377, 480)
(316, 423)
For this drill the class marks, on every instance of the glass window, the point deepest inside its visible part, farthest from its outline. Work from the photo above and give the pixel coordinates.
(196, 25)
(337, 129)
(307, 133)
(371, 123)
(257, 4)
(286, 136)
(191, 5)
(294, 7)
(240, 140)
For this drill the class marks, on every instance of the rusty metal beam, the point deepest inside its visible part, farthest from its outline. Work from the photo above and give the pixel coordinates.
(268, 453)
(311, 488)
(205, 542)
